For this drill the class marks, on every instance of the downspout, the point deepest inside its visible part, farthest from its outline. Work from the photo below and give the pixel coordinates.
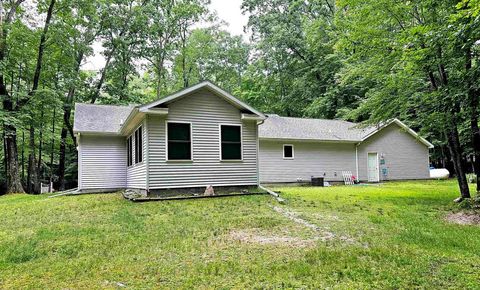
(356, 160)
(258, 150)
(79, 160)
(147, 163)
(271, 192)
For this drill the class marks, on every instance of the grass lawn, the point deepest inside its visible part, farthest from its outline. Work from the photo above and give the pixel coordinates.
(388, 236)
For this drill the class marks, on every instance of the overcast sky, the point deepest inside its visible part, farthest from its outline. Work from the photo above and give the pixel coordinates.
(227, 10)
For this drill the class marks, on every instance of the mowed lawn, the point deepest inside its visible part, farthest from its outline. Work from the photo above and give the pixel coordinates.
(388, 236)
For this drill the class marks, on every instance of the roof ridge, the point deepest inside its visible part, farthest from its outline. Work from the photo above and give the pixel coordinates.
(105, 105)
(308, 118)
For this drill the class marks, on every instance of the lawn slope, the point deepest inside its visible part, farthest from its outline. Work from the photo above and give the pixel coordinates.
(388, 236)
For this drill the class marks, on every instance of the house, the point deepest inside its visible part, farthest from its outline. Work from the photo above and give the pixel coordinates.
(203, 135)
(198, 136)
(295, 149)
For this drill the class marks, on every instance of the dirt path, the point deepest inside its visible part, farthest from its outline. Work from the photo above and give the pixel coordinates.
(323, 234)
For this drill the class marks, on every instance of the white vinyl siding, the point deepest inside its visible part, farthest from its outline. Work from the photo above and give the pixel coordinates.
(102, 162)
(404, 156)
(315, 159)
(136, 173)
(205, 111)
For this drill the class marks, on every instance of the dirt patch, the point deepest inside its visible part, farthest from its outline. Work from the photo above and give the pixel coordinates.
(322, 234)
(254, 236)
(294, 217)
(463, 218)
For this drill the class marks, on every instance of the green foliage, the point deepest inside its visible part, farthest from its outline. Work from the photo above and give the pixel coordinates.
(365, 61)
(472, 178)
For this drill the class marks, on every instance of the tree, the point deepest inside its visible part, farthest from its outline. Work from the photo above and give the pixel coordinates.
(405, 49)
(213, 54)
(294, 54)
(14, 184)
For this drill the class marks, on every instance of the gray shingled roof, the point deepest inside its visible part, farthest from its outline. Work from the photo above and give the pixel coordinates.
(100, 118)
(276, 127)
(108, 119)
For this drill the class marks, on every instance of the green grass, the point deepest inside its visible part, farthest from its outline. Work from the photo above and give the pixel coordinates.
(390, 236)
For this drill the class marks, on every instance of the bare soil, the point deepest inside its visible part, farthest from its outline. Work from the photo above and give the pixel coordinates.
(464, 218)
(254, 236)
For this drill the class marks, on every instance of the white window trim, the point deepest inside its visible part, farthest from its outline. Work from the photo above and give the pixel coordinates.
(166, 141)
(220, 142)
(293, 152)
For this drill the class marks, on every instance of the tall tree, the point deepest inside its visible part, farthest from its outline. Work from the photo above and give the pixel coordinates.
(404, 50)
(33, 183)
(14, 184)
(294, 54)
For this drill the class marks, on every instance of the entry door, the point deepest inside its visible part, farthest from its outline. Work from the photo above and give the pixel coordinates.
(373, 175)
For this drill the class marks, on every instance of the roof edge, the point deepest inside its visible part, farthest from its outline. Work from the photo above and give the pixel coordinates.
(204, 84)
(309, 140)
(403, 126)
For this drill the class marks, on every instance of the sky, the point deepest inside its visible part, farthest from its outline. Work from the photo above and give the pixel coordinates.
(227, 10)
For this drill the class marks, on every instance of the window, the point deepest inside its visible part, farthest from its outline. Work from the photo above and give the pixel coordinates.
(179, 145)
(138, 145)
(231, 142)
(129, 151)
(135, 145)
(288, 151)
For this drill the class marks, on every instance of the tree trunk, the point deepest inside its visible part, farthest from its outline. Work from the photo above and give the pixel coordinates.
(40, 145)
(476, 147)
(23, 155)
(5, 162)
(41, 48)
(96, 92)
(61, 162)
(33, 185)
(456, 153)
(13, 176)
(67, 110)
(14, 184)
(52, 146)
(473, 96)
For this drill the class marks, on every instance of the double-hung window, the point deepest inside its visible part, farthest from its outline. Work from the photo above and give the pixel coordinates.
(138, 145)
(231, 142)
(135, 147)
(179, 141)
(129, 151)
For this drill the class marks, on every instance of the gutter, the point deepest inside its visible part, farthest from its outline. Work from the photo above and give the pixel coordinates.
(132, 114)
(308, 140)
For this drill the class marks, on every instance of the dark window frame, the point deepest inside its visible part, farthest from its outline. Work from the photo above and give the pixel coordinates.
(135, 142)
(138, 145)
(292, 151)
(169, 142)
(129, 151)
(222, 142)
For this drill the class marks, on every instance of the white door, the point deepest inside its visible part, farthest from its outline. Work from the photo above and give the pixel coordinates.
(373, 175)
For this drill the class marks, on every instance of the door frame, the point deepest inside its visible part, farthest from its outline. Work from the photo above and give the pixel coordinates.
(377, 179)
